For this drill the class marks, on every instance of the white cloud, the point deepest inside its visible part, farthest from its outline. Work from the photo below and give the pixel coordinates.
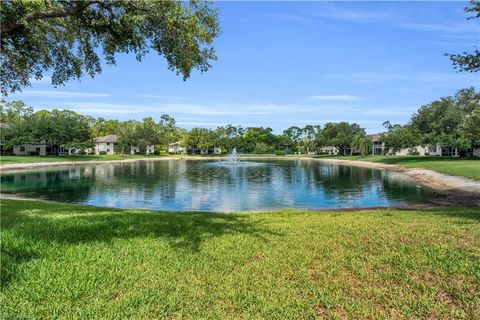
(351, 14)
(444, 27)
(339, 97)
(61, 94)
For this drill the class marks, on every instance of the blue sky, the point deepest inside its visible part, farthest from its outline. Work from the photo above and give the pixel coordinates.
(291, 63)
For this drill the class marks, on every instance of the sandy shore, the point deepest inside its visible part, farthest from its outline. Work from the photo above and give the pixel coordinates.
(454, 189)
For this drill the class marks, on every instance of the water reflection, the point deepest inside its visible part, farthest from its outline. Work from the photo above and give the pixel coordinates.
(204, 185)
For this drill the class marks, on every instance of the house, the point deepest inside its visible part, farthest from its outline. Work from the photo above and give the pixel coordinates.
(378, 146)
(210, 150)
(476, 152)
(418, 150)
(109, 145)
(176, 147)
(330, 150)
(43, 148)
(106, 144)
(214, 150)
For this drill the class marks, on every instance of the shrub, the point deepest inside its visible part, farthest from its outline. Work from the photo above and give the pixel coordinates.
(82, 152)
(102, 153)
(280, 153)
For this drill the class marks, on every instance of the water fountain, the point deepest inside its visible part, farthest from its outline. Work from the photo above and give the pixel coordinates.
(233, 157)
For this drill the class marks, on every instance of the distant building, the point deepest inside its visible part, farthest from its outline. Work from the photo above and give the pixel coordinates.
(109, 145)
(378, 146)
(210, 150)
(106, 144)
(176, 148)
(43, 148)
(330, 150)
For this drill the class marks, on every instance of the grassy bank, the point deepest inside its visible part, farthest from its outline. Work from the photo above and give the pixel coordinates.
(469, 168)
(65, 261)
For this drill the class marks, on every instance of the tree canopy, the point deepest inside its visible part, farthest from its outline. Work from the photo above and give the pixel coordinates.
(66, 37)
(468, 61)
(452, 122)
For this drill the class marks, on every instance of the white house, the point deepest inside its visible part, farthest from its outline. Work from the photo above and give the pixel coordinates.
(418, 150)
(330, 150)
(106, 144)
(43, 148)
(109, 145)
(176, 147)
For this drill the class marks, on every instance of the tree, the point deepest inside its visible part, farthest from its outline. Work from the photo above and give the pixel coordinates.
(468, 61)
(146, 133)
(447, 121)
(254, 135)
(102, 127)
(64, 36)
(167, 129)
(199, 138)
(341, 134)
(362, 143)
(126, 135)
(18, 118)
(400, 137)
(293, 136)
(308, 138)
(61, 127)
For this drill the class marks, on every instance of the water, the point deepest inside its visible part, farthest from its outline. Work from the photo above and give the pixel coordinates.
(218, 186)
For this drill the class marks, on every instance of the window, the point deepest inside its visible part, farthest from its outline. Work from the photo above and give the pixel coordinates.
(108, 143)
(22, 149)
(38, 149)
(108, 150)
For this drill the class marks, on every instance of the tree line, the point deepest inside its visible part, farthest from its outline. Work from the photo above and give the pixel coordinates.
(451, 122)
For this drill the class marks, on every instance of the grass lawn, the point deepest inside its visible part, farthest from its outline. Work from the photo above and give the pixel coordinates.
(469, 168)
(66, 261)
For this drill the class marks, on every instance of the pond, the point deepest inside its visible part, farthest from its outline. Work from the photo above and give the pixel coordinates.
(206, 185)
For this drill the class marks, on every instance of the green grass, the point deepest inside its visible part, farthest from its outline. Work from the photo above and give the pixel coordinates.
(66, 261)
(469, 168)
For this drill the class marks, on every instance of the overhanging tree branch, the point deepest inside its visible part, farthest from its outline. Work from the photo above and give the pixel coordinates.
(11, 27)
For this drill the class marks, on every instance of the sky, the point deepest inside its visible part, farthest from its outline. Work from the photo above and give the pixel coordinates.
(290, 63)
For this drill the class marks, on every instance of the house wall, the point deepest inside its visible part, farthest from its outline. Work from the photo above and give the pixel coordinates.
(108, 147)
(407, 151)
(329, 150)
(175, 148)
(25, 149)
(476, 152)
(435, 151)
(150, 149)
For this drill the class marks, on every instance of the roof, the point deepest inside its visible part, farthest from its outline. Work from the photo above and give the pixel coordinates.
(178, 143)
(110, 138)
(4, 125)
(375, 137)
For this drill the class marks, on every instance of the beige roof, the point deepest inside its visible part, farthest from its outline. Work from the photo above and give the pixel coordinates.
(110, 138)
(178, 143)
(375, 137)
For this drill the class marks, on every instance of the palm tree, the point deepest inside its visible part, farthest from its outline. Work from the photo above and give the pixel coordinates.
(362, 143)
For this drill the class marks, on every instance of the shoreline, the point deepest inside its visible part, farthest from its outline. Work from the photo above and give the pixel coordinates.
(454, 189)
